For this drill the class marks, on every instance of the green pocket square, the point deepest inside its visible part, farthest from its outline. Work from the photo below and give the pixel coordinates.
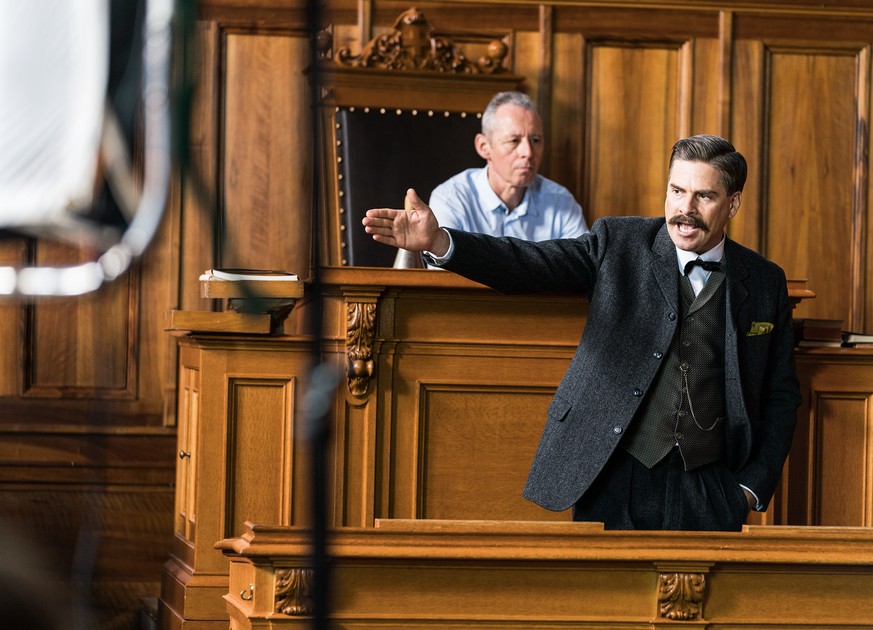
(759, 328)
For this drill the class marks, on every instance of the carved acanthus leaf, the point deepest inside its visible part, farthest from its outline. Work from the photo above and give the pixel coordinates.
(680, 595)
(360, 329)
(294, 591)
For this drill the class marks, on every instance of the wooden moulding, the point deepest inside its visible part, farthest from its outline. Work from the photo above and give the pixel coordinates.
(464, 574)
(257, 307)
(220, 322)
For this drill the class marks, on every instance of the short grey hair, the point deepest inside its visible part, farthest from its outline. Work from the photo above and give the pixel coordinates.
(718, 153)
(505, 98)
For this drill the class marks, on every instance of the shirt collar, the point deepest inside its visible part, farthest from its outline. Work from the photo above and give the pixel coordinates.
(488, 199)
(714, 254)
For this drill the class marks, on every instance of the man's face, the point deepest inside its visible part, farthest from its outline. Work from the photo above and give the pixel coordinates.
(514, 149)
(697, 206)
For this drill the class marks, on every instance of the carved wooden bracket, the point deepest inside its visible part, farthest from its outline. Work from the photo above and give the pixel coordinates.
(294, 591)
(413, 46)
(680, 595)
(360, 329)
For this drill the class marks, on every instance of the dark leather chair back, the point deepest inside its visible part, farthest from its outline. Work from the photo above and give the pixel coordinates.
(381, 155)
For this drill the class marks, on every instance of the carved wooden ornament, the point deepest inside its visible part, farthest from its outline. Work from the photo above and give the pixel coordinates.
(294, 591)
(360, 328)
(413, 46)
(680, 595)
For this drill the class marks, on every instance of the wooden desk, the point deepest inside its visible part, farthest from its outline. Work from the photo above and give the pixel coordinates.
(416, 355)
(460, 575)
(440, 381)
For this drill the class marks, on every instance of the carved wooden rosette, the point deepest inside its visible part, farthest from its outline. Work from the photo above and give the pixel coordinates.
(680, 595)
(294, 591)
(360, 329)
(413, 46)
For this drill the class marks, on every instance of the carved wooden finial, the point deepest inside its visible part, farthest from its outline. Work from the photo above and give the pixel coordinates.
(413, 46)
(323, 43)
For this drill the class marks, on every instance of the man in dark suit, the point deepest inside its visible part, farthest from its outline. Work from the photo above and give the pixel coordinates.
(679, 406)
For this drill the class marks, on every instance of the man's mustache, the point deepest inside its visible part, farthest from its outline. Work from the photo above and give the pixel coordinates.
(691, 220)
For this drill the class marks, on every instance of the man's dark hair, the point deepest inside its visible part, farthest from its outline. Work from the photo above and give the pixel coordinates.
(718, 153)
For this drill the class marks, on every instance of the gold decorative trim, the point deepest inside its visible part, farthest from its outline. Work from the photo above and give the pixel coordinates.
(413, 46)
(294, 591)
(680, 595)
(360, 329)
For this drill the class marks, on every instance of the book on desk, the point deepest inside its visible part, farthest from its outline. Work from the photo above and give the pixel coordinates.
(256, 301)
(823, 333)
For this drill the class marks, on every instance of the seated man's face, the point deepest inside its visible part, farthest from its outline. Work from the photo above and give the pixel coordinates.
(514, 148)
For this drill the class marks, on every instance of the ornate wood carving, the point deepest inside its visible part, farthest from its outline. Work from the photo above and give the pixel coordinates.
(294, 591)
(680, 595)
(413, 46)
(360, 327)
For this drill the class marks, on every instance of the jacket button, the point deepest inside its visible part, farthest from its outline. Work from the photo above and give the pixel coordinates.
(638, 392)
(616, 429)
(657, 355)
(671, 317)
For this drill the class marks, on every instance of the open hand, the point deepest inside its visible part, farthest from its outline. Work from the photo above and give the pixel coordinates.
(415, 229)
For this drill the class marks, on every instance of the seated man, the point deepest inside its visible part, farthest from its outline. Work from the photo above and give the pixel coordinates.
(507, 197)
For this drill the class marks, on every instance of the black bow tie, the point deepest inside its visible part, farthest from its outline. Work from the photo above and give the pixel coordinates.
(708, 265)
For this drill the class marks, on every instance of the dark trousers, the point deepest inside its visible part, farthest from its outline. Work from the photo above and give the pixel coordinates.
(627, 495)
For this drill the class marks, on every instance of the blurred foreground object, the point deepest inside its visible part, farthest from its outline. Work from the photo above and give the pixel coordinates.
(68, 119)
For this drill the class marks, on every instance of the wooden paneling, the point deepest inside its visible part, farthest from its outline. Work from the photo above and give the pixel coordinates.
(85, 347)
(199, 220)
(563, 159)
(260, 428)
(842, 475)
(267, 152)
(188, 430)
(830, 469)
(810, 138)
(703, 82)
(746, 114)
(635, 104)
(462, 425)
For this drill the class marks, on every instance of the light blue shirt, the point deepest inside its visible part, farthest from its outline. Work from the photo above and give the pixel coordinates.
(467, 202)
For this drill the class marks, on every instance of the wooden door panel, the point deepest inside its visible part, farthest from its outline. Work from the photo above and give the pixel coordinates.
(635, 105)
(466, 429)
(811, 132)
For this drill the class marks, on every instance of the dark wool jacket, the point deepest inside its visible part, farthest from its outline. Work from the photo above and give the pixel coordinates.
(627, 267)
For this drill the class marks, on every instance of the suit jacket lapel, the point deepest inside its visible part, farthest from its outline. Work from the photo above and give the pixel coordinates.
(737, 275)
(665, 267)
